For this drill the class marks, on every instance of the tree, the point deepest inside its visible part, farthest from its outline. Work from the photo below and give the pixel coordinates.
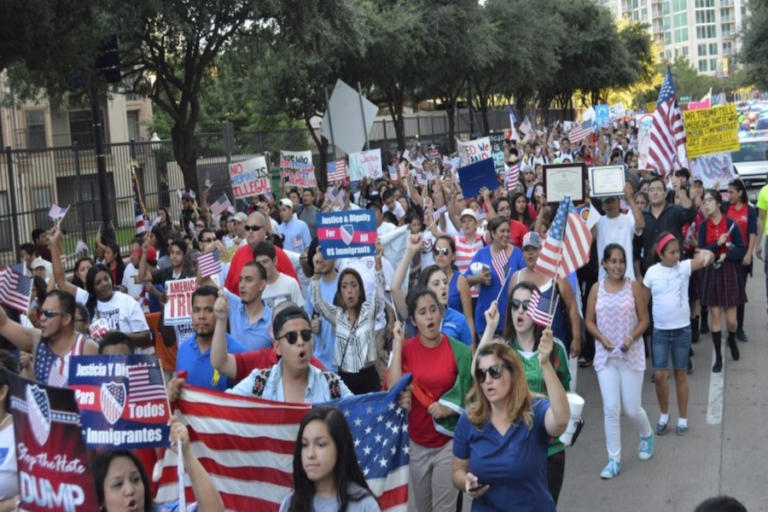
(754, 50)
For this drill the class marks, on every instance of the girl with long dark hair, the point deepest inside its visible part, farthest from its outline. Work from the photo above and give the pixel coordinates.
(82, 266)
(744, 215)
(326, 475)
(114, 262)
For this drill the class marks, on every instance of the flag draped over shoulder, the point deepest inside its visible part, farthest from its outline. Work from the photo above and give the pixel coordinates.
(247, 446)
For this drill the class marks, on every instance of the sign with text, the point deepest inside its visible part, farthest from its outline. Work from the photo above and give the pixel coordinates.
(602, 115)
(348, 234)
(250, 178)
(365, 164)
(122, 401)
(53, 468)
(712, 130)
(617, 111)
(476, 176)
(178, 309)
(714, 171)
(298, 168)
(474, 150)
(497, 151)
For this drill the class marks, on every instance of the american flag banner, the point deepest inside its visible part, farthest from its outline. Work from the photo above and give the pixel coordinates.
(247, 446)
(667, 131)
(438, 213)
(15, 288)
(511, 134)
(57, 212)
(142, 225)
(578, 132)
(566, 247)
(511, 176)
(339, 171)
(538, 309)
(331, 194)
(221, 205)
(526, 126)
(209, 264)
(499, 264)
(145, 384)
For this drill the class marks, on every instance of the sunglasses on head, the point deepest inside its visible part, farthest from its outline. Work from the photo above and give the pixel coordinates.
(293, 336)
(253, 228)
(445, 251)
(48, 313)
(516, 303)
(494, 371)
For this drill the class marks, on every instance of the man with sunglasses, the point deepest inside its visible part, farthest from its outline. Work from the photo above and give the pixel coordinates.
(256, 234)
(55, 343)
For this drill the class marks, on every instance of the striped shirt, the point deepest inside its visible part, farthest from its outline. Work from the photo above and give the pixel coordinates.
(465, 251)
(355, 347)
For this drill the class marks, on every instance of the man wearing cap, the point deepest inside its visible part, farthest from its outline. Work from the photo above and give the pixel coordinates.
(295, 232)
(32, 260)
(256, 233)
(241, 235)
(617, 228)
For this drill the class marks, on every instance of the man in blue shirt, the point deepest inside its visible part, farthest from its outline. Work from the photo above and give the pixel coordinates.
(295, 231)
(325, 340)
(194, 357)
(249, 318)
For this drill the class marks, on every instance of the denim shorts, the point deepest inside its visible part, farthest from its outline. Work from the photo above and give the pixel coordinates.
(678, 341)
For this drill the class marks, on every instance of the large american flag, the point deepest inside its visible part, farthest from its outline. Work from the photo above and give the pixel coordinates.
(578, 132)
(668, 131)
(15, 288)
(511, 176)
(221, 205)
(209, 264)
(247, 446)
(538, 309)
(145, 384)
(339, 170)
(566, 247)
(142, 225)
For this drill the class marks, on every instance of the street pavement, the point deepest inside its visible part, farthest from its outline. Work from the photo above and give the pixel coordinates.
(725, 451)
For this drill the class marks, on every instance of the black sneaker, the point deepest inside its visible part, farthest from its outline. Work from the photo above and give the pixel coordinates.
(661, 429)
(690, 367)
(741, 335)
(584, 362)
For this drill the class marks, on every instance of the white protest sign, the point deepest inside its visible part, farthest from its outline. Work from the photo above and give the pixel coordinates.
(298, 168)
(713, 170)
(347, 118)
(617, 111)
(473, 151)
(178, 309)
(365, 164)
(250, 178)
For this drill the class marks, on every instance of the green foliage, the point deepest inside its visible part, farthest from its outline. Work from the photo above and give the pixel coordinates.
(754, 51)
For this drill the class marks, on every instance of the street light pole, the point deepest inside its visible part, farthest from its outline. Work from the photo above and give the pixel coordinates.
(107, 231)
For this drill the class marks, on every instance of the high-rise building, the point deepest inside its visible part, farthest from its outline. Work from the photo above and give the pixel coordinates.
(703, 31)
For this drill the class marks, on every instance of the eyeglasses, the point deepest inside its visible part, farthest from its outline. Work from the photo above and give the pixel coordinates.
(253, 228)
(494, 371)
(293, 336)
(516, 303)
(445, 251)
(47, 313)
(208, 240)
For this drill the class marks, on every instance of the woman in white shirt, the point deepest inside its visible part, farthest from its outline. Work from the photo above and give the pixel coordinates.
(8, 480)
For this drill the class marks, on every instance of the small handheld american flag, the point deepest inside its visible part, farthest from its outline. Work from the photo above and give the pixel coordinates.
(209, 264)
(221, 205)
(15, 288)
(499, 264)
(511, 175)
(538, 309)
(57, 212)
(437, 213)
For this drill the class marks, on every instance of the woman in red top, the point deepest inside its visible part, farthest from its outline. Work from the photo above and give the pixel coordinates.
(441, 379)
(744, 214)
(722, 284)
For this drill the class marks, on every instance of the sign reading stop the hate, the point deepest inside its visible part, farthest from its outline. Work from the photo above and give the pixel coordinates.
(250, 178)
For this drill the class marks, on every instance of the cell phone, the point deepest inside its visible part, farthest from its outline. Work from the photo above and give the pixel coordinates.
(476, 488)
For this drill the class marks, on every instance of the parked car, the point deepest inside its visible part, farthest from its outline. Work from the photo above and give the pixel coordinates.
(751, 161)
(755, 110)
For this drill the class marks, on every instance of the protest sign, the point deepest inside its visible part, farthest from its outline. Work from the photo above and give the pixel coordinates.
(250, 178)
(602, 115)
(347, 234)
(712, 130)
(178, 309)
(365, 164)
(122, 401)
(476, 176)
(715, 170)
(53, 468)
(474, 150)
(497, 151)
(347, 110)
(617, 111)
(297, 167)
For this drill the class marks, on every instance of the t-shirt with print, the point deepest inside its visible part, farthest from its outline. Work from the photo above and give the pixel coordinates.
(283, 289)
(669, 290)
(121, 312)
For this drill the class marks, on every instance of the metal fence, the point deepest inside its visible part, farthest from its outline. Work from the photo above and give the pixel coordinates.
(32, 179)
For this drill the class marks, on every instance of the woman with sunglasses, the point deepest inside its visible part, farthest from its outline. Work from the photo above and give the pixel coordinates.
(501, 442)
(617, 316)
(744, 215)
(441, 379)
(526, 337)
(353, 318)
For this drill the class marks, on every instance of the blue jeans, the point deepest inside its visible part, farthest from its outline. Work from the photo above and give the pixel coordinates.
(677, 341)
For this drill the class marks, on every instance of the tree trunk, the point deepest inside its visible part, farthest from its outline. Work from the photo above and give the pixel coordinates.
(450, 111)
(395, 105)
(185, 152)
(321, 144)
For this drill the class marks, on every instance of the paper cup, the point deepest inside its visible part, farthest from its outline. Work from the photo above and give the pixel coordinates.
(476, 268)
(576, 404)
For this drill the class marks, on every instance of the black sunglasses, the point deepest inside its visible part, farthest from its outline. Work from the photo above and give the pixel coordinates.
(253, 228)
(208, 240)
(494, 371)
(516, 303)
(293, 336)
(48, 313)
(445, 251)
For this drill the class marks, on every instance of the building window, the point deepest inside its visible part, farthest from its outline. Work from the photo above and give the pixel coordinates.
(679, 5)
(667, 38)
(685, 48)
(702, 65)
(726, 30)
(706, 32)
(35, 129)
(41, 202)
(713, 64)
(727, 48)
(81, 128)
(713, 48)
(133, 125)
(6, 238)
(702, 50)
(707, 16)
(705, 3)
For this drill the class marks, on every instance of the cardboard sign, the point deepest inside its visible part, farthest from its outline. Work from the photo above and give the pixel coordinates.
(298, 168)
(602, 115)
(712, 130)
(617, 111)
(713, 170)
(473, 151)
(347, 234)
(365, 164)
(497, 151)
(122, 401)
(476, 176)
(250, 178)
(53, 468)
(99, 328)
(178, 309)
